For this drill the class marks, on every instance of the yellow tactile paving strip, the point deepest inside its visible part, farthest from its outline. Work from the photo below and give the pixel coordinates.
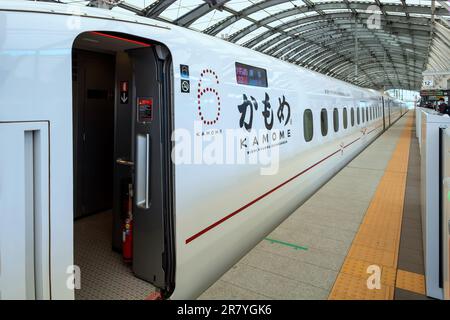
(410, 281)
(378, 238)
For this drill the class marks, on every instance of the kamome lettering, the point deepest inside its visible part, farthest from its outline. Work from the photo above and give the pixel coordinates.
(265, 139)
(199, 311)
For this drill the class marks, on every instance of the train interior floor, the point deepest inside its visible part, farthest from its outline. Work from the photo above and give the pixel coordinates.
(367, 215)
(104, 274)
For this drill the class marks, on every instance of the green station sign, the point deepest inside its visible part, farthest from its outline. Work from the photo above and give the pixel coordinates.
(435, 93)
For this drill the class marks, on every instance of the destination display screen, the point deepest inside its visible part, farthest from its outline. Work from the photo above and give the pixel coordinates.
(435, 93)
(251, 76)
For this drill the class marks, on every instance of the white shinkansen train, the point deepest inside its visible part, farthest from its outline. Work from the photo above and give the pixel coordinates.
(93, 102)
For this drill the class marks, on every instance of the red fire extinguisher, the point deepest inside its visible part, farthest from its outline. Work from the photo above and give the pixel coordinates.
(127, 233)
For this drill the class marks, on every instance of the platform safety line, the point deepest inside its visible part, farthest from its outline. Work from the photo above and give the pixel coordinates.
(377, 241)
(287, 244)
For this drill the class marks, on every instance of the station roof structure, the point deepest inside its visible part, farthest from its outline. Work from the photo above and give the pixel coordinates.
(380, 44)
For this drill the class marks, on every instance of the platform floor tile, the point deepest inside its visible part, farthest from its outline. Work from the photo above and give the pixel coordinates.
(376, 244)
(410, 281)
(349, 287)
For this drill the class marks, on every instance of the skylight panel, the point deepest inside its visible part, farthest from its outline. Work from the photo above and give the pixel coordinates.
(209, 19)
(179, 8)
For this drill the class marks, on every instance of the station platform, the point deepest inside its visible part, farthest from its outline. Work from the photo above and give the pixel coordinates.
(366, 219)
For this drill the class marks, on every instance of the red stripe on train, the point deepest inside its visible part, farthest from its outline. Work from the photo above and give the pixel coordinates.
(215, 224)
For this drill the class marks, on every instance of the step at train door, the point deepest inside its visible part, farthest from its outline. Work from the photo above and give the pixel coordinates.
(148, 204)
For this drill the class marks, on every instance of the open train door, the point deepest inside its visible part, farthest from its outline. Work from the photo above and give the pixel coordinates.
(137, 82)
(153, 240)
(386, 113)
(389, 104)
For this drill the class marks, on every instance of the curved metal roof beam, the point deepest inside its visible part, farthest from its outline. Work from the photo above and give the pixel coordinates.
(347, 44)
(401, 83)
(259, 40)
(382, 79)
(373, 48)
(341, 69)
(320, 34)
(345, 72)
(324, 32)
(332, 64)
(216, 28)
(424, 32)
(156, 8)
(401, 27)
(370, 46)
(329, 58)
(338, 5)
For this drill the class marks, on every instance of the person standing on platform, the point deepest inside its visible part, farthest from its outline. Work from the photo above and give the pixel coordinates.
(442, 106)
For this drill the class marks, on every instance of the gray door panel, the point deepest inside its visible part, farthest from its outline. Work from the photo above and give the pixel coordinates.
(148, 241)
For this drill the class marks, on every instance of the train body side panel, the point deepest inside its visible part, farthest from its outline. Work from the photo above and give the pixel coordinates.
(225, 210)
(222, 210)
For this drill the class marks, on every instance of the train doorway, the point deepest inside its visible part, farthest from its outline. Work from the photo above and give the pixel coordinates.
(122, 169)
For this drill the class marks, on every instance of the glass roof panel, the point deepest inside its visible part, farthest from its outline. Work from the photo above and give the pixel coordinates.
(209, 19)
(280, 7)
(238, 25)
(276, 23)
(390, 2)
(419, 2)
(267, 39)
(259, 15)
(420, 15)
(331, 11)
(180, 8)
(140, 3)
(319, 1)
(401, 14)
(367, 1)
(290, 19)
(238, 5)
(252, 35)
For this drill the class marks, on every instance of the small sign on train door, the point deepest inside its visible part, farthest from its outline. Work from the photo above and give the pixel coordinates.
(185, 86)
(124, 92)
(184, 71)
(145, 110)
